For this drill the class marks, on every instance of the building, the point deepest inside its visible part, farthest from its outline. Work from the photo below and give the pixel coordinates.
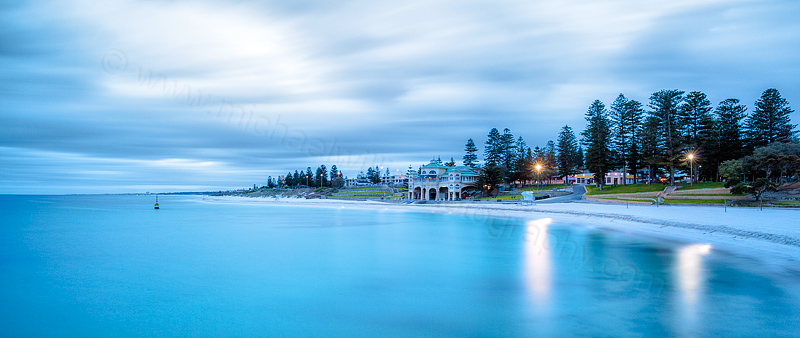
(588, 178)
(394, 179)
(437, 182)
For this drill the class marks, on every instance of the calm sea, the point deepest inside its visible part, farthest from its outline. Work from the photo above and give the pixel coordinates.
(111, 266)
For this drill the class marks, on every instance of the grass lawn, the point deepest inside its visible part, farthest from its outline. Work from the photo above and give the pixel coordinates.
(624, 189)
(501, 197)
(707, 195)
(544, 187)
(703, 185)
(693, 201)
(794, 203)
(629, 199)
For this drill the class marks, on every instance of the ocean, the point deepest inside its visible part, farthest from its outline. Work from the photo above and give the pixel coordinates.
(112, 266)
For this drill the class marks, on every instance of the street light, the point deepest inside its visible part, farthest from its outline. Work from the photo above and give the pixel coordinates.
(538, 176)
(306, 181)
(691, 165)
(321, 177)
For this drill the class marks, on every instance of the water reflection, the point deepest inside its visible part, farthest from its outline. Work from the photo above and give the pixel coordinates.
(538, 265)
(691, 281)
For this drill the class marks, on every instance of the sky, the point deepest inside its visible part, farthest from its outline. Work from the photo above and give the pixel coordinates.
(125, 96)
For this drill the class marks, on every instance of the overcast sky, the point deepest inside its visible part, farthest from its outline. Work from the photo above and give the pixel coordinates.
(134, 96)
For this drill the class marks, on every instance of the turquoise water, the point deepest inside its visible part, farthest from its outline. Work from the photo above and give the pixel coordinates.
(113, 266)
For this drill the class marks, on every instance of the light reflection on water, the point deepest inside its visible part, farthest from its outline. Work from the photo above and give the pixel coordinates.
(691, 278)
(538, 267)
(111, 266)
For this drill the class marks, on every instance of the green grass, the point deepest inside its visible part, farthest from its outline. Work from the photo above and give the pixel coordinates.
(706, 195)
(692, 201)
(544, 187)
(624, 189)
(793, 203)
(703, 185)
(629, 199)
(501, 197)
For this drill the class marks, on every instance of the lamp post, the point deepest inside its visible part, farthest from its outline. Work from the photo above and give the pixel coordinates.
(538, 176)
(691, 165)
(306, 181)
(321, 177)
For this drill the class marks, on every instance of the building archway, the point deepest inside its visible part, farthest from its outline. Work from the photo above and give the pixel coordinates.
(443, 193)
(432, 194)
(417, 193)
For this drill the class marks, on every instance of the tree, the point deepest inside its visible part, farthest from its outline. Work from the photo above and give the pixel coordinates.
(757, 188)
(309, 176)
(521, 170)
(697, 124)
(696, 118)
(597, 138)
(375, 178)
(776, 161)
(287, 180)
(296, 179)
(633, 157)
(650, 150)
(334, 172)
(452, 163)
(490, 176)
(508, 149)
(620, 130)
(493, 152)
(731, 170)
(411, 173)
(566, 152)
(770, 121)
(470, 159)
(727, 131)
(665, 105)
(550, 160)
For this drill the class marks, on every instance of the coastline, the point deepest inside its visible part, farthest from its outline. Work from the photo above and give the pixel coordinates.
(770, 237)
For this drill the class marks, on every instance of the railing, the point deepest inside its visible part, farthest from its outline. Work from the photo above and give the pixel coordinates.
(441, 180)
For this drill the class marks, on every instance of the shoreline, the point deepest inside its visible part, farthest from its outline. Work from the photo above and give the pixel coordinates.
(770, 236)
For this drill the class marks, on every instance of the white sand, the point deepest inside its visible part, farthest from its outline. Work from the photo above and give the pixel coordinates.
(771, 236)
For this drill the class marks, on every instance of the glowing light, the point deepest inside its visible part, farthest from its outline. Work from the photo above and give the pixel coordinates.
(538, 270)
(691, 278)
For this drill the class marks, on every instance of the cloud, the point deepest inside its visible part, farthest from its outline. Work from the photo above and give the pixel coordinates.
(260, 88)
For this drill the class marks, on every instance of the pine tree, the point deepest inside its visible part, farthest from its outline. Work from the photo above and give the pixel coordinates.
(490, 176)
(597, 138)
(566, 152)
(650, 147)
(770, 121)
(370, 174)
(288, 180)
(728, 135)
(620, 130)
(508, 152)
(665, 105)
(309, 176)
(522, 164)
(493, 151)
(470, 159)
(580, 163)
(334, 172)
(633, 158)
(697, 125)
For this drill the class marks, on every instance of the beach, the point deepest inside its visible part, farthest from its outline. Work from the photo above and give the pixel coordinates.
(770, 237)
